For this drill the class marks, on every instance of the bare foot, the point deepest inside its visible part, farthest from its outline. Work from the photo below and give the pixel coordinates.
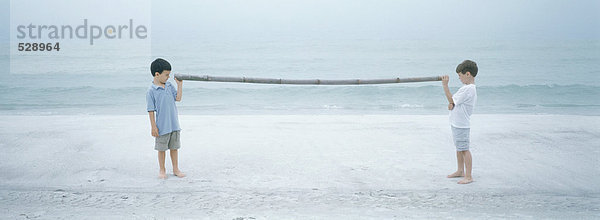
(456, 174)
(466, 180)
(178, 173)
(162, 175)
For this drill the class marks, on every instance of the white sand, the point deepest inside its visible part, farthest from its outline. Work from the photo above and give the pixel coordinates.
(298, 166)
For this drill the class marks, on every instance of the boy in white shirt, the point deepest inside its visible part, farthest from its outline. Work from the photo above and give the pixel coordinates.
(461, 107)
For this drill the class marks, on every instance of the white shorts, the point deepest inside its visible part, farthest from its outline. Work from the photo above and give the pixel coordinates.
(461, 138)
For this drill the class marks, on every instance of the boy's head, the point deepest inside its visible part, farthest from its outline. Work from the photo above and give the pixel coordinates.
(160, 69)
(467, 70)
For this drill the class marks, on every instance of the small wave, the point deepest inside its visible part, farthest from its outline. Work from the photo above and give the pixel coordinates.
(525, 105)
(559, 105)
(332, 107)
(411, 106)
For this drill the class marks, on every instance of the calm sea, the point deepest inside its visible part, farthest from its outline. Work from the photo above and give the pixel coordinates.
(515, 77)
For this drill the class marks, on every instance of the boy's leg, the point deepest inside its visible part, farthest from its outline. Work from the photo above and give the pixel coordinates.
(161, 163)
(174, 158)
(468, 164)
(460, 162)
(160, 145)
(174, 144)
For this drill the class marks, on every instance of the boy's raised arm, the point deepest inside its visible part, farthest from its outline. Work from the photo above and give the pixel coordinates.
(179, 88)
(445, 80)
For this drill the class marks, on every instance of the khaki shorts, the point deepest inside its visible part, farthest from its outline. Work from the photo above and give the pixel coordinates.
(167, 141)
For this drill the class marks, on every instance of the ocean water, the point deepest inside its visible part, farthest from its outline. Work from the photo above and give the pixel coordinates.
(515, 77)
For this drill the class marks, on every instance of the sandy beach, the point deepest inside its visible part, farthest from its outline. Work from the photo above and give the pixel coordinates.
(299, 166)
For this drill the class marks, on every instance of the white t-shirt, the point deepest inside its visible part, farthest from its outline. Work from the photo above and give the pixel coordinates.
(464, 101)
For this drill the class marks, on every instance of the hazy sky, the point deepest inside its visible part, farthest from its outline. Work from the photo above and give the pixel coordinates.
(438, 19)
(380, 19)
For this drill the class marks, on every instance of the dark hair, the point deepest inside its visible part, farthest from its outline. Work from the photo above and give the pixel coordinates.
(159, 65)
(467, 66)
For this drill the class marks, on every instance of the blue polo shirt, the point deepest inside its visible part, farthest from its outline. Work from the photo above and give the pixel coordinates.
(162, 102)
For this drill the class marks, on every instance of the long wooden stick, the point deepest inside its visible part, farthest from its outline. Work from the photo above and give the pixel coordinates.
(304, 81)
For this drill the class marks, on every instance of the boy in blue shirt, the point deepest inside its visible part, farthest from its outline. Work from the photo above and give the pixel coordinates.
(461, 107)
(161, 98)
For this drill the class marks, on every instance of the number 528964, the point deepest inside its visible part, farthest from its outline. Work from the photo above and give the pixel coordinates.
(39, 47)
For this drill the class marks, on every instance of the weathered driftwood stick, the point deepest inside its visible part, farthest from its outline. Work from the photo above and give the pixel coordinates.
(304, 81)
